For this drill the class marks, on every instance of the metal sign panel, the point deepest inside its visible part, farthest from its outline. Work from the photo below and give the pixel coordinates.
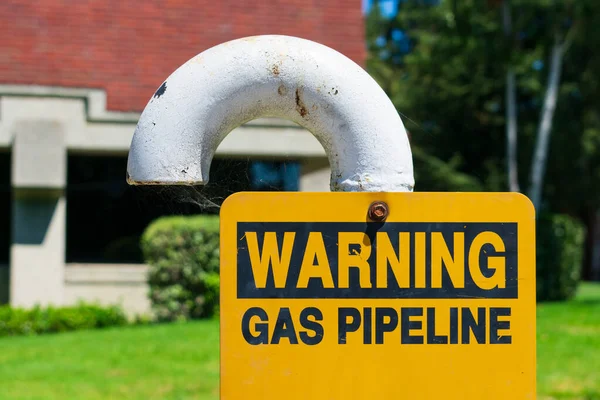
(435, 302)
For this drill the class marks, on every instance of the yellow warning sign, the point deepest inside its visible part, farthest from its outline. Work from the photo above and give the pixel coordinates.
(320, 302)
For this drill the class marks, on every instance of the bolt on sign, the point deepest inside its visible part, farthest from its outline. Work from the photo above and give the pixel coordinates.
(377, 296)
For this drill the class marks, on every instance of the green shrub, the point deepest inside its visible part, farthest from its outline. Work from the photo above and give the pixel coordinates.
(560, 241)
(38, 320)
(183, 255)
(143, 319)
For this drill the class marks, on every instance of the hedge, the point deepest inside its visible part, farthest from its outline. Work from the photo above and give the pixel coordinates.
(37, 320)
(560, 247)
(183, 258)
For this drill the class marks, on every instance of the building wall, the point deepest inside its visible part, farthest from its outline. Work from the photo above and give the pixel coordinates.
(129, 50)
(75, 76)
(40, 125)
(108, 284)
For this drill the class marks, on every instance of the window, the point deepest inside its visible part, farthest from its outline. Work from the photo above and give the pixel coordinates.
(5, 207)
(280, 176)
(5, 224)
(106, 216)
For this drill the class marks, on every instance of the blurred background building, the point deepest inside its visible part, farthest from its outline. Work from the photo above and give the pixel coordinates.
(74, 77)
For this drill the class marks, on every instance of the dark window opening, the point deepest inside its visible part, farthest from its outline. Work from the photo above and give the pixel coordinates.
(106, 217)
(5, 224)
(5, 207)
(282, 176)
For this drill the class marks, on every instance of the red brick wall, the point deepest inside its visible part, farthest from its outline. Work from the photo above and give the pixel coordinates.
(130, 49)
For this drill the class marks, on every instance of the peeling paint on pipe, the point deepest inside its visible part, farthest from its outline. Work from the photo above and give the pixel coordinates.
(272, 76)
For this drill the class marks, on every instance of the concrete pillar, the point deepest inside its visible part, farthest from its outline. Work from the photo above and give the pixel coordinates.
(38, 214)
(315, 175)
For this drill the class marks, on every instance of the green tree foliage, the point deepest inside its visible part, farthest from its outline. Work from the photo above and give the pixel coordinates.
(447, 80)
(444, 67)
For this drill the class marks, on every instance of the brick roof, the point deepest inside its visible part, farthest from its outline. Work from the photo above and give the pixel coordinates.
(129, 50)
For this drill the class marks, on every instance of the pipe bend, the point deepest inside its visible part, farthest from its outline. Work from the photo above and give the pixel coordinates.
(272, 76)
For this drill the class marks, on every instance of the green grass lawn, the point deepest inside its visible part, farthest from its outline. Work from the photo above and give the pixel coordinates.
(568, 351)
(181, 361)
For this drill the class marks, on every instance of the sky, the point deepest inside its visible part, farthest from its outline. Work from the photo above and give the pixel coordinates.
(389, 8)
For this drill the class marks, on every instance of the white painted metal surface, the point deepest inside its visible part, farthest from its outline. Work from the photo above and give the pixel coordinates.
(272, 76)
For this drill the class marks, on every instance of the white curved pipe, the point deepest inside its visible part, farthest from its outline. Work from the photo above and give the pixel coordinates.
(272, 76)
